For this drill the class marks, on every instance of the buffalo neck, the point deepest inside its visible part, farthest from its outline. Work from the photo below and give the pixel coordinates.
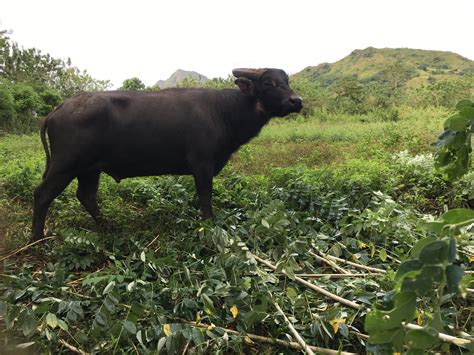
(243, 116)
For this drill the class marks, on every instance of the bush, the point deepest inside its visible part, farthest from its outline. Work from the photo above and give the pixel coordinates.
(27, 104)
(50, 99)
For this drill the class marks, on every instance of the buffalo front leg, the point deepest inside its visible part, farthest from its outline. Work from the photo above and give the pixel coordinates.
(203, 180)
(45, 193)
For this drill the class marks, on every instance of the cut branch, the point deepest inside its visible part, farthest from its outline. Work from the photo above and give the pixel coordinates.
(332, 264)
(360, 266)
(444, 337)
(339, 276)
(26, 247)
(72, 348)
(297, 335)
(311, 286)
(287, 344)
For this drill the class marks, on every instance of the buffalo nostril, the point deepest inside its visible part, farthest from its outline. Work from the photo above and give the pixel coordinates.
(296, 101)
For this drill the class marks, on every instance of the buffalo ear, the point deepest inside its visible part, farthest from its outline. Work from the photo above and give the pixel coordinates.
(246, 86)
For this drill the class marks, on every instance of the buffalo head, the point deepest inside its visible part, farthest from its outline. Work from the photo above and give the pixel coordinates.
(271, 88)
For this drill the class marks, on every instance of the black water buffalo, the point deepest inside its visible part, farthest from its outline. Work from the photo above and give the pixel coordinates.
(172, 131)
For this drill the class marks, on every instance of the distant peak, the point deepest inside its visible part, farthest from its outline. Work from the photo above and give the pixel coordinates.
(180, 75)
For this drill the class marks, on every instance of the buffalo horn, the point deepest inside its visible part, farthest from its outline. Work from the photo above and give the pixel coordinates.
(252, 74)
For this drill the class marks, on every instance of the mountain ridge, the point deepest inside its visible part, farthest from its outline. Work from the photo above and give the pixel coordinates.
(417, 66)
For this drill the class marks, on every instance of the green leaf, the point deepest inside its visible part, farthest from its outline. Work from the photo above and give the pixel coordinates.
(454, 274)
(383, 254)
(457, 123)
(137, 309)
(143, 256)
(415, 251)
(464, 103)
(423, 281)
(386, 336)
(403, 310)
(130, 327)
(197, 336)
(51, 320)
(28, 323)
(109, 287)
(265, 223)
(407, 266)
(458, 216)
(161, 344)
(43, 307)
(421, 338)
(435, 252)
(140, 338)
(63, 325)
(208, 305)
(292, 294)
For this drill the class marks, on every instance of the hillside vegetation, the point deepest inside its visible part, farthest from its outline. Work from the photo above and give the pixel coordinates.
(410, 67)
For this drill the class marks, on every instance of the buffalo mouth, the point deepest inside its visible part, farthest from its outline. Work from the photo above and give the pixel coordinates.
(290, 106)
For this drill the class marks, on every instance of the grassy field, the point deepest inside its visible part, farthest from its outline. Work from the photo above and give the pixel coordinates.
(160, 279)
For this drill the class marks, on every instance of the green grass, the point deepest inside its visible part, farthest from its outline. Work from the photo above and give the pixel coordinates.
(333, 139)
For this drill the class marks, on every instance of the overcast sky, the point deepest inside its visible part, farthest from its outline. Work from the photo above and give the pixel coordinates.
(115, 39)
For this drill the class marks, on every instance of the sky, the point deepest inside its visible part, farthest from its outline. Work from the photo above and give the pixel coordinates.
(150, 39)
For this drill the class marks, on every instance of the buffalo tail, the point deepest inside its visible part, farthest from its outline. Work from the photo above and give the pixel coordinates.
(44, 127)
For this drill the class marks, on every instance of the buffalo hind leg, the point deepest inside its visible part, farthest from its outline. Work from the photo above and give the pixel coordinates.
(203, 181)
(88, 185)
(51, 186)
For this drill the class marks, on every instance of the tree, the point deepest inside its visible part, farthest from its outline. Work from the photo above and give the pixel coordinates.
(41, 71)
(132, 84)
(7, 108)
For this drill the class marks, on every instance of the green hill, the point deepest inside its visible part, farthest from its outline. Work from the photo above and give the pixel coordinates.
(412, 67)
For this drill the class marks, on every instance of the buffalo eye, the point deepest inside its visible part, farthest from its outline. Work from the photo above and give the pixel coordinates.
(268, 84)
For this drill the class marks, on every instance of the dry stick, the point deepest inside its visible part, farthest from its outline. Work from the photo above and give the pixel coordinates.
(360, 266)
(279, 342)
(154, 239)
(332, 264)
(339, 276)
(313, 287)
(444, 337)
(72, 348)
(25, 247)
(298, 337)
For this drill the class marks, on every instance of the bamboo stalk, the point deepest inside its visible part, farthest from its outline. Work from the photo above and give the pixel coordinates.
(297, 335)
(279, 342)
(444, 337)
(332, 264)
(339, 276)
(72, 348)
(360, 266)
(313, 287)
